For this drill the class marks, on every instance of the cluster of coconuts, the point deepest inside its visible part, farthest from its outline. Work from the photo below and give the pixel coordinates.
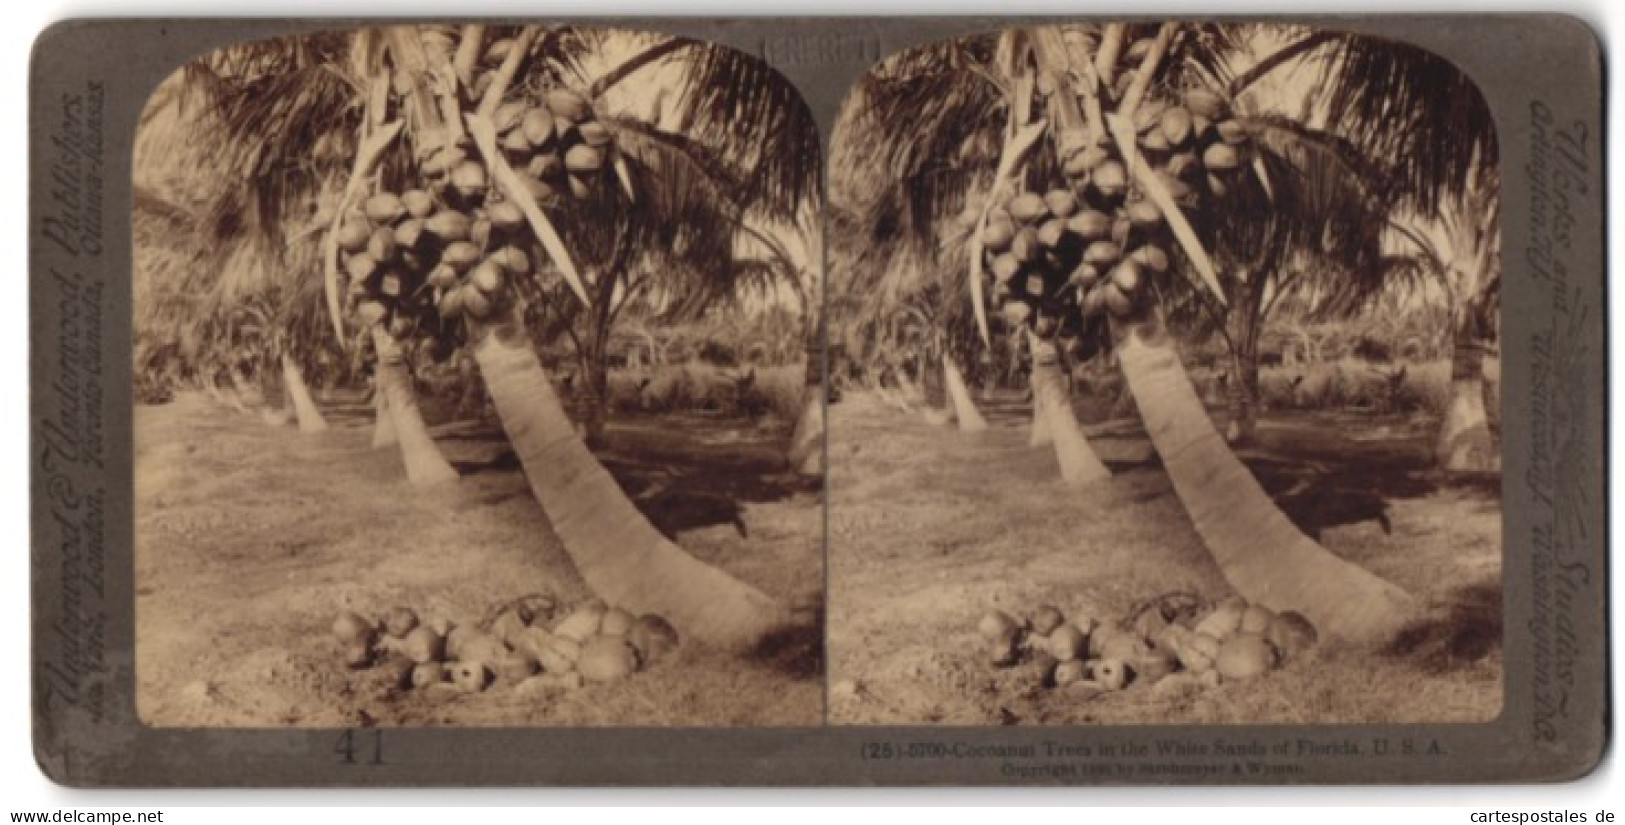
(457, 243)
(1086, 657)
(525, 647)
(1089, 248)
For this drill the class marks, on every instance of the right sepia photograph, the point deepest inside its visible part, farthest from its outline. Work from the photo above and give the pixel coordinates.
(1164, 365)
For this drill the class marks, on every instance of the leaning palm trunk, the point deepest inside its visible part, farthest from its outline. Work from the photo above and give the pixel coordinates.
(424, 463)
(1259, 551)
(1039, 435)
(623, 559)
(970, 420)
(304, 407)
(1053, 405)
(383, 428)
(1465, 442)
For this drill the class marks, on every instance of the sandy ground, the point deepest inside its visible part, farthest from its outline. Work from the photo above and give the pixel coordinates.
(930, 527)
(251, 538)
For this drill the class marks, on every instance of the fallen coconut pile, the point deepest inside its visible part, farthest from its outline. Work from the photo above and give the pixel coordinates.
(521, 647)
(1172, 641)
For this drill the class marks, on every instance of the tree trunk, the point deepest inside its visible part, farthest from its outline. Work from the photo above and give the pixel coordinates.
(622, 558)
(1465, 442)
(1039, 435)
(1261, 553)
(592, 395)
(304, 407)
(1243, 396)
(383, 428)
(807, 440)
(970, 420)
(1079, 464)
(424, 463)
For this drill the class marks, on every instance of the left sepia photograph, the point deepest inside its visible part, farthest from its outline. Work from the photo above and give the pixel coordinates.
(478, 382)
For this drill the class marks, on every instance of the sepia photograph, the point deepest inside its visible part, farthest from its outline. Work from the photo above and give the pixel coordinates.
(1167, 366)
(478, 382)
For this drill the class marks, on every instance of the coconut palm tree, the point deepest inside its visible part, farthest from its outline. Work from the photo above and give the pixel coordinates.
(416, 93)
(1094, 92)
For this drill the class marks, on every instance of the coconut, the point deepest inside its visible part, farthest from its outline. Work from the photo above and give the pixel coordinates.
(469, 179)
(569, 105)
(400, 621)
(360, 266)
(422, 644)
(1045, 619)
(358, 654)
(476, 304)
(460, 255)
(580, 188)
(539, 190)
(1111, 674)
(1002, 652)
(1028, 207)
(1083, 162)
(1119, 303)
(384, 208)
(1110, 179)
(1052, 233)
(593, 133)
(1094, 302)
(1150, 257)
(1291, 633)
(1036, 286)
(1127, 277)
(408, 234)
(482, 647)
(545, 165)
(1005, 266)
(1153, 665)
(442, 276)
(508, 116)
(1123, 646)
(1256, 619)
(1183, 165)
(537, 127)
(616, 622)
(1016, 313)
(381, 246)
(1067, 643)
(1154, 142)
(607, 658)
(506, 215)
(998, 233)
(350, 626)
(584, 159)
(997, 625)
(470, 677)
(448, 225)
(1231, 132)
(1223, 621)
(582, 624)
(512, 259)
(1221, 157)
(1143, 213)
(428, 673)
(390, 285)
(1025, 247)
(515, 667)
(1068, 671)
(487, 277)
(509, 624)
(371, 312)
(653, 637)
(1204, 103)
(558, 654)
(1061, 203)
(353, 235)
(1102, 254)
(418, 203)
(1244, 656)
(1084, 277)
(451, 303)
(1090, 225)
(516, 145)
(1217, 186)
(1176, 125)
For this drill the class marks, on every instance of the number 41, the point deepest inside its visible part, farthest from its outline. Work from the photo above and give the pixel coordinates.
(346, 747)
